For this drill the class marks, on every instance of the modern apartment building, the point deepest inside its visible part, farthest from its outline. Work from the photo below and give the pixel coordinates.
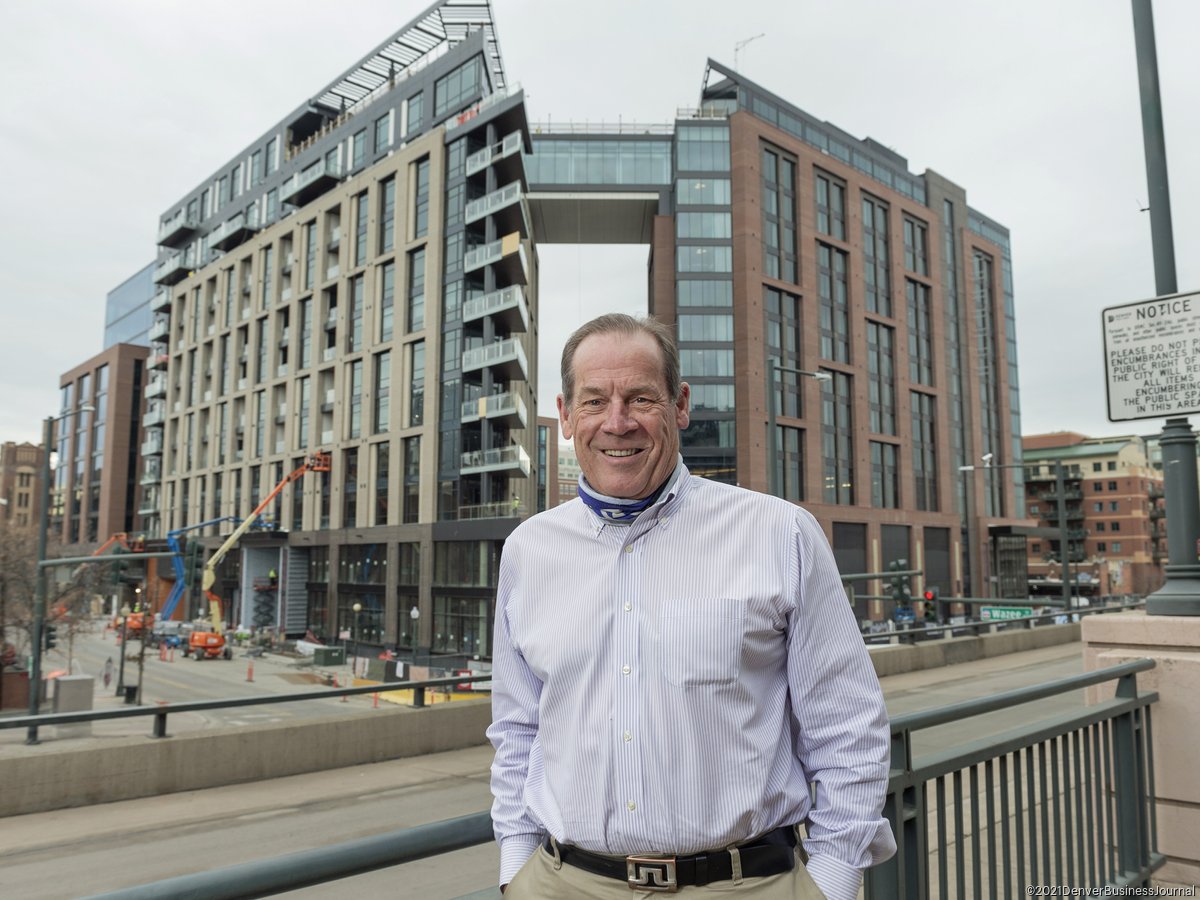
(127, 316)
(1114, 509)
(362, 279)
(96, 491)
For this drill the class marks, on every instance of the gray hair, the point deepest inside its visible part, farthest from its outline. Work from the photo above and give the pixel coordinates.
(620, 323)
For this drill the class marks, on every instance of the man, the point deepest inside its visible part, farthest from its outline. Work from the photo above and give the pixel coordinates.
(675, 664)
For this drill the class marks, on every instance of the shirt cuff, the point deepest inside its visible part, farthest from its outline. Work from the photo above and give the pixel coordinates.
(836, 879)
(515, 852)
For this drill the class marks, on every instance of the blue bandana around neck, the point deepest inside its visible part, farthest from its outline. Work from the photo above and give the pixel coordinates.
(616, 510)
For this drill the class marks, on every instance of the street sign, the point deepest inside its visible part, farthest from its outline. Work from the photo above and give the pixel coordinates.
(1152, 358)
(1005, 612)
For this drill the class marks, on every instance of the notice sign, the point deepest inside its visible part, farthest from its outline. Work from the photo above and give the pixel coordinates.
(1152, 358)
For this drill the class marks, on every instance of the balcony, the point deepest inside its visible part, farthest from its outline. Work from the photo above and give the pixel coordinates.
(155, 415)
(507, 149)
(178, 226)
(507, 204)
(311, 183)
(171, 270)
(506, 254)
(153, 445)
(507, 358)
(499, 460)
(233, 231)
(148, 506)
(1157, 512)
(494, 406)
(156, 387)
(289, 260)
(151, 471)
(161, 302)
(503, 509)
(508, 305)
(159, 330)
(1068, 493)
(157, 361)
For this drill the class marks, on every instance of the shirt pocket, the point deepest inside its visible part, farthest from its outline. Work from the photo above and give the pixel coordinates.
(700, 642)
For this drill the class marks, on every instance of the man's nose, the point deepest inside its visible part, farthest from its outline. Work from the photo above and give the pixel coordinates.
(618, 420)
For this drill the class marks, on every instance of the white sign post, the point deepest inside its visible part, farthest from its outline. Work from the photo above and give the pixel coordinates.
(1152, 358)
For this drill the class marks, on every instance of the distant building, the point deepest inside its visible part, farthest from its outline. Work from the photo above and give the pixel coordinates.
(568, 472)
(96, 490)
(1115, 514)
(20, 483)
(547, 463)
(127, 315)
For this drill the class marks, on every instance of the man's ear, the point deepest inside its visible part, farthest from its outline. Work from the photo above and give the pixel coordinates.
(564, 417)
(683, 413)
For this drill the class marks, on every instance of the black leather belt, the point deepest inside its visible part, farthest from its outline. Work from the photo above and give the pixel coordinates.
(770, 854)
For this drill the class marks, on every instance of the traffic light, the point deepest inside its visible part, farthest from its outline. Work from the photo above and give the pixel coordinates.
(931, 595)
(50, 633)
(901, 588)
(193, 568)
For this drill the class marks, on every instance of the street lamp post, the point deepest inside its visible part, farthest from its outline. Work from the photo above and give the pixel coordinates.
(355, 633)
(125, 611)
(39, 601)
(774, 367)
(1063, 534)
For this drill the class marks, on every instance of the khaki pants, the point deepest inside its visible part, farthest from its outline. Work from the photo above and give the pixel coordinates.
(540, 880)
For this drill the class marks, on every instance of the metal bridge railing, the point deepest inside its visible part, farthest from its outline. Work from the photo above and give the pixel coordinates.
(1066, 800)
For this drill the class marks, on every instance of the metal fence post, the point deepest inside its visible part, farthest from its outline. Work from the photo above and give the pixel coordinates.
(1127, 766)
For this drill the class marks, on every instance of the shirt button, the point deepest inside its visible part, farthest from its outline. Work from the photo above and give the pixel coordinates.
(631, 806)
(628, 737)
(628, 606)
(663, 518)
(625, 670)
(629, 549)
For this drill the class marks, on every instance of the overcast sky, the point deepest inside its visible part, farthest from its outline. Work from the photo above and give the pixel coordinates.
(112, 111)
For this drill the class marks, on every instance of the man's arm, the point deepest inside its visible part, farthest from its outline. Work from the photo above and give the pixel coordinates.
(515, 693)
(842, 734)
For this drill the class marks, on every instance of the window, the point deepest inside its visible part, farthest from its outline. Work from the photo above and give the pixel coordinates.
(360, 229)
(779, 216)
(310, 251)
(1035, 548)
(712, 398)
(1097, 467)
(268, 263)
(789, 449)
(354, 316)
(1116, 547)
(382, 466)
(698, 363)
(837, 439)
(416, 382)
(350, 495)
(704, 293)
(416, 290)
(705, 328)
(358, 149)
(924, 451)
(1112, 465)
(256, 167)
(1098, 507)
(1099, 485)
(831, 206)
(412, 480)
(1112, 485)
(784, 340)
(421, 199)
(920, 332)
(834, 303)
(916, 249)
(703, 148)
(881, 387)
(876, 280)
(1114, 506)
(383, 132)
(271, 160)
(1101, 547)
(303, 411)
(304, 314)
(387, 277)
(415, 106)
(354, 420)
(702, 192)
(1114, 526)
(884, 476)
(1100, 526)
(703, 225)
(387, 215)
(704, 259)
(450, 91)
(383, 390)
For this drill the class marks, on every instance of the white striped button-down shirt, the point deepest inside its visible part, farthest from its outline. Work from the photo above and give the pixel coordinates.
(674, 685)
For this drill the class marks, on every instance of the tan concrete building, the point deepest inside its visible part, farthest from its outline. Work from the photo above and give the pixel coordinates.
(20, 484)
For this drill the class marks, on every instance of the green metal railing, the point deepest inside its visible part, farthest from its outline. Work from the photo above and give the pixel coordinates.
(1065, 800)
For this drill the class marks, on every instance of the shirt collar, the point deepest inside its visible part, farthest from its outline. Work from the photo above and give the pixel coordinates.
(677, 486)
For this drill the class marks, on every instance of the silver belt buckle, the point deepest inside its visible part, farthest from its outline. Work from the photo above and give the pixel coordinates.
(651, 873)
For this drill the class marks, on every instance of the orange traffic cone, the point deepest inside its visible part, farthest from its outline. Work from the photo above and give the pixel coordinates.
(250, 670)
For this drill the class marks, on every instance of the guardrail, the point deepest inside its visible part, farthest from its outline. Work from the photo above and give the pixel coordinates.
(1065, 801)
(164, 708)
(1089, 773)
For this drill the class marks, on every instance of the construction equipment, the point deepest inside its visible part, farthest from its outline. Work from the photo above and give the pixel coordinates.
(173, 543)
(211, 643)
(137, 622)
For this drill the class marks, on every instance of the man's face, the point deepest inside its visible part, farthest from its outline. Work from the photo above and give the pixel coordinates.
(625, 426)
